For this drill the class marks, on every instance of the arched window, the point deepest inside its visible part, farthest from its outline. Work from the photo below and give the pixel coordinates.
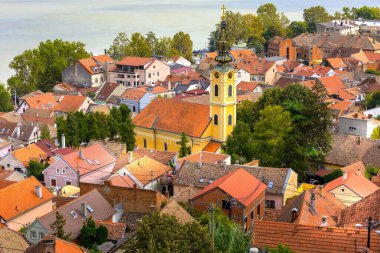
(144, 143)
(216, 119)
(166, 146)
(216, 91)
(230, 120)
(230, 90)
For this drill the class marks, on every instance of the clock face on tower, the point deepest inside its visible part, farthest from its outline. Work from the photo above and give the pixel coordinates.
(216, 75)
(230, 75)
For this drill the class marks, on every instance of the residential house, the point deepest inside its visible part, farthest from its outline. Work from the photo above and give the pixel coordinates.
(71, 103)
(260, 70)
(88, 72)
(28, 132)
(348, 149)
(91, 204)
(337, 63)
(99, 108)
(10, 175)
(359, 212)
(12, 241)
(281, 47)
(373, 113)
(107, 90)
(136, 71)
(238, 194)
(28, 95)
(179, 60)
(335, 88)
(5, 147)
(357, 167)
(116, 230)
(311, 239)
(7, 127)
(282, 182)
(135, 99)
(53, 244)
(22, 209)
(28, 153)
(44, 101)
(205, 157)
(342, 27)
(351, 187)
(89, 164)
(11, 163)
(358, 124)
(114, 147)
(249, 87)
(172, 208)
(314, 207)
(66, 89)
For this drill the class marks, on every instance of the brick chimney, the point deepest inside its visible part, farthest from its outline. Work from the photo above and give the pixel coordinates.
(83, 206)
(313, 207)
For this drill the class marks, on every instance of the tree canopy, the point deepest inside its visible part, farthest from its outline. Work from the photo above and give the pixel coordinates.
(41, 68)
(91, 236)
(58, 227)
(314, 15)
(296, 28)
(5, 99)
(35, 169)
(372, 100)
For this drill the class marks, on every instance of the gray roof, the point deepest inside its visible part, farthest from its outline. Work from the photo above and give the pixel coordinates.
(189, 173)
(102, 211)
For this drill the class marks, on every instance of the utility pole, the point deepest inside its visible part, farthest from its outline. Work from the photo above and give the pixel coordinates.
(212, 227)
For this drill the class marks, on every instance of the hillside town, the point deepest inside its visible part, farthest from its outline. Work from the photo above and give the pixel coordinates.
(266, 141)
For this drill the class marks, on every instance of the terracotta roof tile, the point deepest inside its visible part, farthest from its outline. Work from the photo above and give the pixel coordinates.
(45, 102)
(5, 173)
(60, 246)
(337, 63)
(12, 241)
(116, 230)
(373, 57)
(247, 86)
(354, 181)
(160, 115)
(256, 66)
(31, 152)
(60, 201)
(206, 157)
(71, 103)
(311, 239)
(20, 203)
(135, 61)
(172, 208)
(332, 84)
(355, 167)
(5, 183)
(133, 94)
(238, 184)
(47, 146)
(212, 146)
(121, 181)
(106, 91)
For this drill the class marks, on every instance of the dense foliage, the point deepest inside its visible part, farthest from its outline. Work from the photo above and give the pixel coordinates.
(149, 45)
(35, 169)
(184, 149)
(372, 100)
(161, 234)
(371, 171)
(281, 249)
(315, 15)
(91, 236)
(364, 12)
(333, 175)
(41, 67)
(81, 128)
(5, 99)
(305, 137)
(58, 227)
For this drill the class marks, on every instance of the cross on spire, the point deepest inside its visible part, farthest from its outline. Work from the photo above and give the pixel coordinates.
(223, 11)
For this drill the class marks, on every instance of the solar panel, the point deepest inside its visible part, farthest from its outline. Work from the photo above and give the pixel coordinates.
(90, 209)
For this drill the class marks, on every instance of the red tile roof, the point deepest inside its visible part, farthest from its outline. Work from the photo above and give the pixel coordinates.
(17, 203)
(212, 146)
(355, 167)
(44, 101)
(247, 86)
(206, 157)
(354, 181)
(163, 114)
(332, 84)
(337, 63)
(133, 94)
(135, 61)
(373, 57)
(90, 154)
(5, 183)
(90, 63)
(116, 230)
(121, 181)
(312, 239)
(71, 103)
(239, 184)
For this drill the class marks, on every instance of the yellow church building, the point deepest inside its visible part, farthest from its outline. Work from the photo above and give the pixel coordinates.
(160, 125)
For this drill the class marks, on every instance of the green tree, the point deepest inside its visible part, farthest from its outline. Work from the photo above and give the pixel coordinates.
(88, 233)
(101, 234)
(58, 227)
(333, 175)
(240, 143)
(72, 131)
(164, 46)
(152, 41)
(42, 67)
(376, 133)
(371, 171)
(5, 100)
(161, 234)
(274, 22)
(119, 45)
(296, 28)
(229, 236)
(367, 12)
(45, 132)
(182, 45)
(270, 134)
(138, 46)
(184, 150)
(281, 249)
(314, 15)
(35, 169)
(372, 100)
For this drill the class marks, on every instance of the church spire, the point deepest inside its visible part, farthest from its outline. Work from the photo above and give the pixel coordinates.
(223, 57)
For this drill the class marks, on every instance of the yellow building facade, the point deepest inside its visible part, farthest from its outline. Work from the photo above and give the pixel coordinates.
(160, 125)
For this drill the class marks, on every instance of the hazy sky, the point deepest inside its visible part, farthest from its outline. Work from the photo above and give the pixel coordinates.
(25, 23)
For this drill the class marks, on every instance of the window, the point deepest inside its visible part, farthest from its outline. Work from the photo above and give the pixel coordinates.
(352, 128)
(201, 180)
(165, 146)
(230, 90)
(342, 190)
(144, 143)
(68, 182)
(74, 214)
(53, 182)
(41, 235)
(226, 204)
(33, 234)
(57, 170)
(270, 204)
(215, 119)
(134, 108)
(230, 120)
(216, 90)
(63, 171)
(8, 165)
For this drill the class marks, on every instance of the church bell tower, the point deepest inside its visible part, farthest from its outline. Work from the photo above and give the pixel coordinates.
(223, 89)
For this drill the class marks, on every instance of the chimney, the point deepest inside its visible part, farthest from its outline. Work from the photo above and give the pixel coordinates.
(81, 154)
(38, 190)
(324, 221)
(356, 115)
(313, 208)
(75, 67)
(83, 206)
(59, 193)
(63, 141)
(358, 140)
(321, 190)
(130, 157)
(105, 51)
(169, 85)
(344, 176)
(370, 116)
(199, 165)
(294, 214)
